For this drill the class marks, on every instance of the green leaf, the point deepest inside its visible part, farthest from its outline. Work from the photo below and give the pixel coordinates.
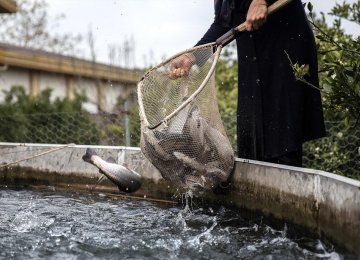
(310, 7)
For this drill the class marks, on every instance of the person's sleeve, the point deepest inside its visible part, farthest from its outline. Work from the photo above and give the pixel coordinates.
(214, 32)
(270, 2)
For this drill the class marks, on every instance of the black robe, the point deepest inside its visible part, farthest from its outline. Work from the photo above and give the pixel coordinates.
(276, 113)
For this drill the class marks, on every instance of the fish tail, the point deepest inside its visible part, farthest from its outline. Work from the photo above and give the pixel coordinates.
(88, 154)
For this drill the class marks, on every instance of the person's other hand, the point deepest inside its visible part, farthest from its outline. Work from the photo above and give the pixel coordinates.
(256, 15)
(180, 67)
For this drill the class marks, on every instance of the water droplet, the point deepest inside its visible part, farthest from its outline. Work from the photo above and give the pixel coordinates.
(258, 81)
(251, 248)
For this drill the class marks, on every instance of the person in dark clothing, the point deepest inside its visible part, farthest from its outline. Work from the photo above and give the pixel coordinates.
(276, 113)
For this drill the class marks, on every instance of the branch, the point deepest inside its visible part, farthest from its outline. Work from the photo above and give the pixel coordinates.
(331, 40)
(299, 76)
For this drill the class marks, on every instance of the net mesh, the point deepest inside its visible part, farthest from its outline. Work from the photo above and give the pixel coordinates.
(190, 148)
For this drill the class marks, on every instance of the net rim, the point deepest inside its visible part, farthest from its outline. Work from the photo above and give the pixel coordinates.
(187, 101)
(203, 46)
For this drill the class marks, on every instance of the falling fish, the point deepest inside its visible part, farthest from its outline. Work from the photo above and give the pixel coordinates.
(126, 179)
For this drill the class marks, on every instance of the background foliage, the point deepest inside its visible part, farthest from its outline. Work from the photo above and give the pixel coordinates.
(339, 71)
(24, 118)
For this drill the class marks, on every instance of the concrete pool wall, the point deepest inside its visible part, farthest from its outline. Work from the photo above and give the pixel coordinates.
(324, 203)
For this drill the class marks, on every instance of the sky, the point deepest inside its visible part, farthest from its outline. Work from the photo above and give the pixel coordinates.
(156, 28)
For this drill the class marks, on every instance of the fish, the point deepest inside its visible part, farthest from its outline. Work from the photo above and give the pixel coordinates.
(152, 144)
(176, 124)
(207, 176)
(188, 151)
(126, 179)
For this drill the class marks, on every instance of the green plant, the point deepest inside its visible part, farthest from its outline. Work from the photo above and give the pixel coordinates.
(339, 61)
(226, 84)
(24, 118)
(339, 71)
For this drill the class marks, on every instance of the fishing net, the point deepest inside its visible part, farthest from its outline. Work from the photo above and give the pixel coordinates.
(182, 134)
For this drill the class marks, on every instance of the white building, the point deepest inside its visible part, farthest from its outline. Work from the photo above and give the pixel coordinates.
(37, 70)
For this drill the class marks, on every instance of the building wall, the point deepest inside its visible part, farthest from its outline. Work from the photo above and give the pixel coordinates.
(13, 77)
(114, 92)
(89, 88)
(100, 94)
(54, 81)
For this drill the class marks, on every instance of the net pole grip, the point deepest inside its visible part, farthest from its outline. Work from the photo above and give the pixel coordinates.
(226, 38)
(230, 35)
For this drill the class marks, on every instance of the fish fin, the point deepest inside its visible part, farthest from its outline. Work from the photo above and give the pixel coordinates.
(111, 160)
(87, 156)
(101, 178)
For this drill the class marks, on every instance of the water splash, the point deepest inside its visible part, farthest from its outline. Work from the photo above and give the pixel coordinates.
(26, 221)
(63, 226)
(203, 238)
(188, 201)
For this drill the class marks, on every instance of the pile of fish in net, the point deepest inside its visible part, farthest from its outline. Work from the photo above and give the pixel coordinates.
(194, 155)
(182, 133)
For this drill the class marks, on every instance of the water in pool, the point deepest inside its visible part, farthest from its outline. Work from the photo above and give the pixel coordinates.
(57, 225)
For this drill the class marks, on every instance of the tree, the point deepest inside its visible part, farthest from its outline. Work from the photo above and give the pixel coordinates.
(31, 27)
(226, 83)
(339, 71)
(339, 61)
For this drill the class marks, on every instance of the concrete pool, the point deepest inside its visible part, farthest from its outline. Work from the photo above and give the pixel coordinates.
(325, 204)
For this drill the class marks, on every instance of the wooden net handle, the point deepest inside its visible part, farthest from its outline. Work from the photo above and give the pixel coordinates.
(230, 35)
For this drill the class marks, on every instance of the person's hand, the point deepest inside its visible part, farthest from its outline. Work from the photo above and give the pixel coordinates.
(180, 67)
(256, 15)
